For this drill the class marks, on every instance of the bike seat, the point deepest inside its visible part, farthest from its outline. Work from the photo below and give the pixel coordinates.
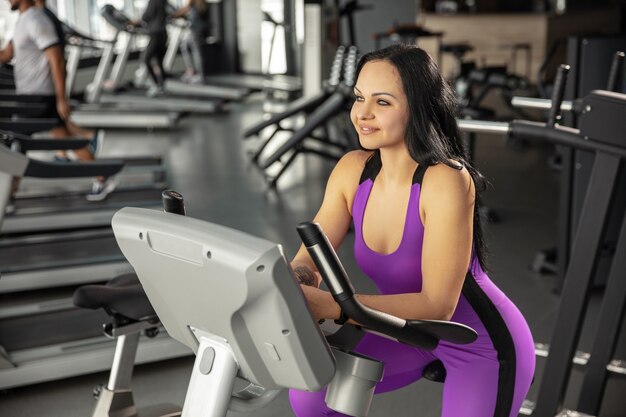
(122, 296)
(435, 371)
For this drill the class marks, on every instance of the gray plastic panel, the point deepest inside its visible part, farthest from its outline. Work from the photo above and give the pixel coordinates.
(233, 285)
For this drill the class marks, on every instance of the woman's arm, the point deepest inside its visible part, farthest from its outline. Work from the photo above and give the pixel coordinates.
(54, 55)
(6, 54)
(446, 208)
(334, 214)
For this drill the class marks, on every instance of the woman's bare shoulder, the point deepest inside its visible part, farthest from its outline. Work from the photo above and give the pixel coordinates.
(346, 175)
(454, 178)
(356, 158)
(351, 166)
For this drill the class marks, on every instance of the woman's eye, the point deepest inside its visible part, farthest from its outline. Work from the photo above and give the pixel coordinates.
(358, 98)
(383, 102)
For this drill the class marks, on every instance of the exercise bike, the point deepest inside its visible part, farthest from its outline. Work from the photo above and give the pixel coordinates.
(263, 331)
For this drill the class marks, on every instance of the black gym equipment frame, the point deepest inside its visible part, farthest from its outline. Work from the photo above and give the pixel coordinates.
(304, 105)
(601, 128)
(601, 132)
(588, 57)
(333, 105)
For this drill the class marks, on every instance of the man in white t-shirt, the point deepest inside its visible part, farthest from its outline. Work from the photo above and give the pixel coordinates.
(40, 68)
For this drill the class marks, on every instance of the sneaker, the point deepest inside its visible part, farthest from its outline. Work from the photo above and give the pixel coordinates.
(61, 158)
(196, 79)
(95, 146)
(100, 190)
(10, 207)
(155, 91)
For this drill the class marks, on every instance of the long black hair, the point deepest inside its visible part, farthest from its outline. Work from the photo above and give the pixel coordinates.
(432, 135)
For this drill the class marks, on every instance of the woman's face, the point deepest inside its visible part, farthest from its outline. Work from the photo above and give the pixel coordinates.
(380, 110)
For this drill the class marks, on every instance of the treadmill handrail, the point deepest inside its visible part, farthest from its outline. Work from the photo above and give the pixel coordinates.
(11, 95)
(26, 143)
(44, 169)
(120, 21)
(52, 144)
(15, 104)
(27, 125)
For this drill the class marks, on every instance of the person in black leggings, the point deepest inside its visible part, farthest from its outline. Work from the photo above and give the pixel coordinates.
(197, 12)
(154, 17)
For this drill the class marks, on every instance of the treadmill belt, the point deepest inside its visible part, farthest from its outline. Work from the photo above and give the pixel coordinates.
(60, 253)
(115, 201)
(52, 328)
(256, 82)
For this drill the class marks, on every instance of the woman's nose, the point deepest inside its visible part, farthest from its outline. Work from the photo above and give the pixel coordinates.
(364, 112)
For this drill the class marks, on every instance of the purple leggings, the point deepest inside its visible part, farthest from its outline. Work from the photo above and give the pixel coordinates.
(477, 382)
(487, 378)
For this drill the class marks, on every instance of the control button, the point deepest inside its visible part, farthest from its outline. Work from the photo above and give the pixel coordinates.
(206, 363)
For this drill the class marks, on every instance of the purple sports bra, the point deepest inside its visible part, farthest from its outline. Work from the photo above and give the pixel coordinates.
(401, 270)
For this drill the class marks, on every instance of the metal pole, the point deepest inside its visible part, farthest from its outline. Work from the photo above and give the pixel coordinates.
(539, 103)
(480, 126)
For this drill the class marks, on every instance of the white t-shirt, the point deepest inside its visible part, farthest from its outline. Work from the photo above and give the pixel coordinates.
(34, 33)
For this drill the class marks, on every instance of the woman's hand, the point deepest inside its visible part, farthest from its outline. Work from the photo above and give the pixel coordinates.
(305, 276)
(321, 303)
(63, 108)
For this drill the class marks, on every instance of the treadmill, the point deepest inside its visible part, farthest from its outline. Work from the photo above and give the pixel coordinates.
(279, 83)
(86, 115)
(38, 276)
(43, 337)
(60, 212)
(96, 92)
(31, 261)
(145, 172)
(179, 28)
(108, 115)
(137, 174)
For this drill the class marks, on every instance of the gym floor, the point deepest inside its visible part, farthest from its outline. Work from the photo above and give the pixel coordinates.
(207, 162)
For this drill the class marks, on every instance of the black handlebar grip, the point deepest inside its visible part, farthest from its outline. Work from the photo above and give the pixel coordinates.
(615, 74)
(422, 333)
(173, 202)
(557, 94)
(336, 278)
(326, 260)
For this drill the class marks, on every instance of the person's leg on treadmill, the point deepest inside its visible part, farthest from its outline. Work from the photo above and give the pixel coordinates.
(102, 186)
(95, 136)
(197, 41)
(65, 129)
(61, 132)
(149, 57)
(161, 50)
(187, 53)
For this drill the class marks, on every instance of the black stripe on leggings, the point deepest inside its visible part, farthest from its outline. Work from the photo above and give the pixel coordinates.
(501, 339)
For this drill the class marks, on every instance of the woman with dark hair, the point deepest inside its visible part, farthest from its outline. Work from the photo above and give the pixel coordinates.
(412, 196)
(155, 19)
